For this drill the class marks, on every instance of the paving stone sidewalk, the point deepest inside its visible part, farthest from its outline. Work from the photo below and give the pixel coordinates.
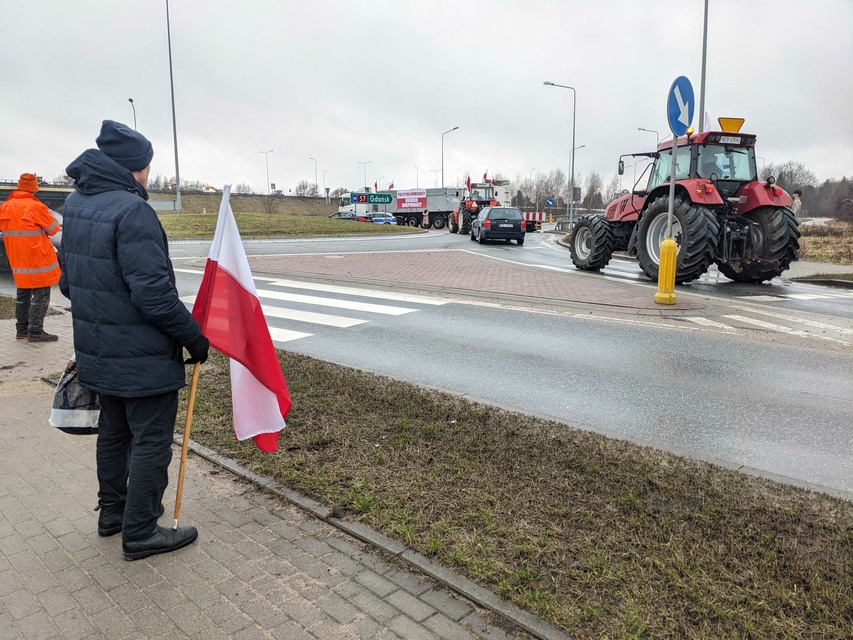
(261, 568)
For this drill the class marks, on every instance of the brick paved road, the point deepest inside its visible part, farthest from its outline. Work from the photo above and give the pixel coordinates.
(260, 569)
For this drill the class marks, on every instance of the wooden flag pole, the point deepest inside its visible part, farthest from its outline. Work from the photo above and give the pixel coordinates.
(186, 444)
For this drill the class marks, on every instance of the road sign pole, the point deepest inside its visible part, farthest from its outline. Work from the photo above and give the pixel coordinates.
(671, 210)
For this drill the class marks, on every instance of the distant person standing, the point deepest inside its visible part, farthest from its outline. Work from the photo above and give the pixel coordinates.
(796, 204)
(129, 330)
(26, 224)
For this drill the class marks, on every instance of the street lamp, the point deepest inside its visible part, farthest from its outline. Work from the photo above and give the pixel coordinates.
(530, 177)
(657, 136)
(130, 100)
(174, 123)
(572, 184)
(701, 126)
(442, 154)
(267, 159)
(379, 183)
(435, 176)
(763, 164)
(316, 190)
(324, 181)
(365, 171)
(416, 176)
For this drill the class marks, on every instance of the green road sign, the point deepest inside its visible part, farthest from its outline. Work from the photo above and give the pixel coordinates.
(379, 198)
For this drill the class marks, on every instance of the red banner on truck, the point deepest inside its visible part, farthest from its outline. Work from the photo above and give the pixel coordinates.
(413, 199)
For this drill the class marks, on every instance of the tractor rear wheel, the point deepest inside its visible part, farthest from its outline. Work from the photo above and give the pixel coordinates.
(438, 222)
(591, 243)
(776, 239)
(695, 230)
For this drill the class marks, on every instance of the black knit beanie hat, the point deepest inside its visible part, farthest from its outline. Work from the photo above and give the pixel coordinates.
(129, 148)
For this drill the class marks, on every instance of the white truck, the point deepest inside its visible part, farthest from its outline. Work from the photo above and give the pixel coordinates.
(412, 207)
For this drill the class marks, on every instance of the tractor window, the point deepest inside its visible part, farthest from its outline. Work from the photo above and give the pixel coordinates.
(729, 163)
(663, 167)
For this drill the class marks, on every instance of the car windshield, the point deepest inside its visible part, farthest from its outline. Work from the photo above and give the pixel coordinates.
(505, 214)
(729, 163)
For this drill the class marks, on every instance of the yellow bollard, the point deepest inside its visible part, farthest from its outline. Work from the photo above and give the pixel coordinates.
(666, 272)
(550, 217)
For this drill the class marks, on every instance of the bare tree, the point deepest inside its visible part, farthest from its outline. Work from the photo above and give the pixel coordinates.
(613, 189)
(243, 188)
(790, 175)
(306, 188)
(594, 184)
(269, 205)
(337, 193)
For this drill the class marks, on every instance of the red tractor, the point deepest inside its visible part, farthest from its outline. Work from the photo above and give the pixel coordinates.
(722, 214)
(480, 194)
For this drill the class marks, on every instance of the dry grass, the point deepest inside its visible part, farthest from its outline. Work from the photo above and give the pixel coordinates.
(7, 307)
(832, 242)
(601, 537)
(209, 203)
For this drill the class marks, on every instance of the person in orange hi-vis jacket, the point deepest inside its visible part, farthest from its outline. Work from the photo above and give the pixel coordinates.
(26, 224)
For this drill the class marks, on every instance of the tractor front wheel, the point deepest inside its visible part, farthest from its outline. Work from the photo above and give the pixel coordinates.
(466, 221)
(591, 243)
(776, 244)
(695, 230)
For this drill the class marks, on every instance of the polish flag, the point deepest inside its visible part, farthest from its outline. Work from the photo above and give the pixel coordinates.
(391, 186)
(486, 176)
(468, 184)
(230, 315)
(375, 187)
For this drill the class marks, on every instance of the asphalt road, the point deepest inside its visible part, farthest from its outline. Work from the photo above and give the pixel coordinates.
(761, 378)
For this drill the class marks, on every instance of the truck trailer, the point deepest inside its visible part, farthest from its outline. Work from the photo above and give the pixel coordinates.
(411, 207)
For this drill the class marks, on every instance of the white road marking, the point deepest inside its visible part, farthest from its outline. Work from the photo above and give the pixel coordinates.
(803, 321)
(310, 317)
(709, 323)
(367, 293)
(338, 304)
(286, 335)
(762, 298)
(781, 329)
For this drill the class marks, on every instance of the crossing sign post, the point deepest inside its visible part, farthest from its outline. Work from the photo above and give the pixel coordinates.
(680, 105)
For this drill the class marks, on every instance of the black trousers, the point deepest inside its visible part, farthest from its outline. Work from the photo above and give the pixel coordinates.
(133, 454)
(30, 310)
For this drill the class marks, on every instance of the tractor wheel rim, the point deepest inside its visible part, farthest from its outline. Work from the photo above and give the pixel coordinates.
(583, 243)
(657, 234)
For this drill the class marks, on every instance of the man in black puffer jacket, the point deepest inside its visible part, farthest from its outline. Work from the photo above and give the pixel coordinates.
(129, 330)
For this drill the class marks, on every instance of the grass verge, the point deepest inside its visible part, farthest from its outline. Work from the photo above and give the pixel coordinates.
(255, 225)
(601, 537)
(831, 242)
(7, 307)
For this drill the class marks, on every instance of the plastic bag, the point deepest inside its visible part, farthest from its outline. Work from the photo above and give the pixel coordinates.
(75, 409)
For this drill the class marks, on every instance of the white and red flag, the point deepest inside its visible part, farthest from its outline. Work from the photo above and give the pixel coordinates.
(375, 187)
(486, 176)
(468, 183)
(230, 315)
(391, 186)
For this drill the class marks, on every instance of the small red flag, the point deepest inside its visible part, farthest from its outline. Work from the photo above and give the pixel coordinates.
(468, 184)
(486, 176)
(391, 186)
(375, 186)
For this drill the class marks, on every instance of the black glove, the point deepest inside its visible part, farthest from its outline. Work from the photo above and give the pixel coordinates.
(198, 350)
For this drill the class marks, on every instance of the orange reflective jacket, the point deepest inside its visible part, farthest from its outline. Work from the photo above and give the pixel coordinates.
(26, 224)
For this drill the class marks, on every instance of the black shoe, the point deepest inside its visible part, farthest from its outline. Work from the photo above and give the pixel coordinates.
(42, 337)
(161, 541)
(21, 336)
(110, 519)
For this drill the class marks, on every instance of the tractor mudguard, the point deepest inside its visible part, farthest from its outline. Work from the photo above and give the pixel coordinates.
(761, 194)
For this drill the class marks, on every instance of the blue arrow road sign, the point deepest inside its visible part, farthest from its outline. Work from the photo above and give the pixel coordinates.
(680, 106)
(550, 202)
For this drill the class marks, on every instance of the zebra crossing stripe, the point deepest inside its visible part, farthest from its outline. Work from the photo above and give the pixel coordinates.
(366, 293)
(780, 328)
(310, 317)
(709, 323)
(339, 304)
(803, 321)
(286, 335)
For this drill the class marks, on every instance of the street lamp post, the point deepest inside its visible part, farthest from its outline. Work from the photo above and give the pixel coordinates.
(657, 136)
(416, 176)
(379, 183)
(364, 164)
(702, 81)
(130, 100)
(442, 153)
(324, 180)
(316, 190)
(534, 187)
(763, 164)
(435, 176)
(174, 123)
(572, 183)
(267, 159)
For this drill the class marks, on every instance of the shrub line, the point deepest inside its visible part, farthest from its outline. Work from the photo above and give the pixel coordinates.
(538, 627)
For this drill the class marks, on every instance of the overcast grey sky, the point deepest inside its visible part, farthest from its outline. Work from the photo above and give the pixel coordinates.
(376, 80)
